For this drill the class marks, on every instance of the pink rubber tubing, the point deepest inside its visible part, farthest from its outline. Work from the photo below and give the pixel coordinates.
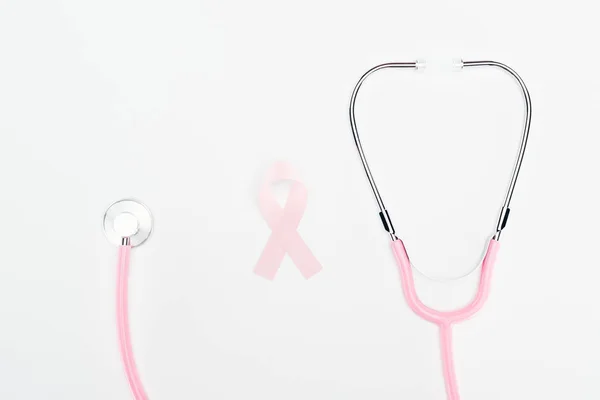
(123, 325)
(445, 320)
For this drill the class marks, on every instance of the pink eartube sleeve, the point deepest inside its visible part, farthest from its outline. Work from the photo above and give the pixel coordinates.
(131, 371)
(445, 320)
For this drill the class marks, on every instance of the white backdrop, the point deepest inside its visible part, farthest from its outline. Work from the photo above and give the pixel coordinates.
(185, 105)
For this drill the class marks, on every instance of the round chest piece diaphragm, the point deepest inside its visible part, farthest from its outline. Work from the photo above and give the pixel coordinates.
(127, 219)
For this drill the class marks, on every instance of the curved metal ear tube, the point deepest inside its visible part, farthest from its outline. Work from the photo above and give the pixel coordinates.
(505, 211)
(127, 223)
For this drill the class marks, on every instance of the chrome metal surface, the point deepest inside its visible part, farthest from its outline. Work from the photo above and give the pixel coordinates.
(387, 223)
(123, 207)
(524, 137)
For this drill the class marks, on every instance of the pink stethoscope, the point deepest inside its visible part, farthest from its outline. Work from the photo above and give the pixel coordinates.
(444, 320)
(127, 223)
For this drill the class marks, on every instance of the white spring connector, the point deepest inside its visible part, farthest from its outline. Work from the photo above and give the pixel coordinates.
(441, 65)
(457, 64)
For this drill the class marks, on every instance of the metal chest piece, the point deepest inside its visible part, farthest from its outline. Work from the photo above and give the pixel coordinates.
(127, 222)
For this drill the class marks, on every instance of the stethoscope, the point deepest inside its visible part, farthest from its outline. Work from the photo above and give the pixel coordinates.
(444, 320)
(127, 224)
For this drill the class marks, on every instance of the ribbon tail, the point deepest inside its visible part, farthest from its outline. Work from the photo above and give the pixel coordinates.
(301, 255)
(270, 259)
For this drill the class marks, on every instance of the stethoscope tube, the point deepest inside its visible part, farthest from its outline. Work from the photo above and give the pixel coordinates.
(131, 370)
(126, 236)
(444, 320)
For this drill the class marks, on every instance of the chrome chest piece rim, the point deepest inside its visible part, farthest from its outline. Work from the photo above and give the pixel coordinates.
(127, 221)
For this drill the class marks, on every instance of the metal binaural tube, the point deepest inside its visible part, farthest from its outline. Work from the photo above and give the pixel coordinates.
(385, 218)
(505, 211)
(502, 219)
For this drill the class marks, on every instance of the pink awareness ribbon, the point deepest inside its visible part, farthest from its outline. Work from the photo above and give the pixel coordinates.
(284, 224)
